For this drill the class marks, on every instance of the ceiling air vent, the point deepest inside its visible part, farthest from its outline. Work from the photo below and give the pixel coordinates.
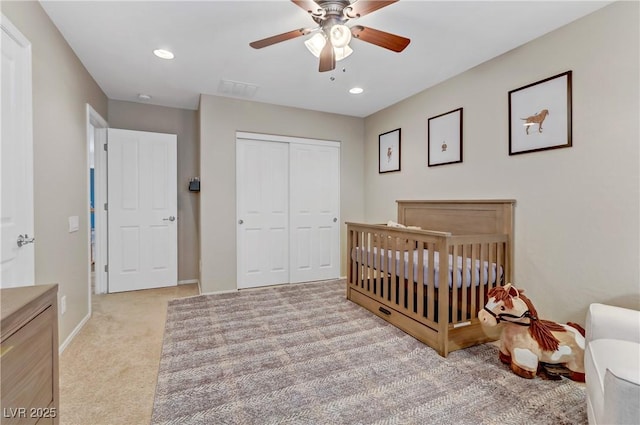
(237, 89)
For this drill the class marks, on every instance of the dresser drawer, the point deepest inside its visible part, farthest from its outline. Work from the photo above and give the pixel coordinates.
(27, 364)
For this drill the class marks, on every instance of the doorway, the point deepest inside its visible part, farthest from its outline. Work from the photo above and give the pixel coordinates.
(96, 191)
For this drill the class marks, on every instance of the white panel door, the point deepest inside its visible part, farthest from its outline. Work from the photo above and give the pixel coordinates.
(262, 187)
(142, 209)
(315, 212)
(16, 161)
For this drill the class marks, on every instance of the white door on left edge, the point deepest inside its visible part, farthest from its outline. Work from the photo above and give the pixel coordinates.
(17, 257)
(142, 210)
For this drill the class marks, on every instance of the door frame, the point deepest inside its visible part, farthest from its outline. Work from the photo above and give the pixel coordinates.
(260, 137)
(96, 129)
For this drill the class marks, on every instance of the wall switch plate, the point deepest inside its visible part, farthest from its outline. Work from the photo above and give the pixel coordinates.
(63, 304)
(74, 223)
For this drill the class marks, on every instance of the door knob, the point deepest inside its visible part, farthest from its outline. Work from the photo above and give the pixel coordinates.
(171, 218)
(240, 221)
(24, 240)
(335, 219)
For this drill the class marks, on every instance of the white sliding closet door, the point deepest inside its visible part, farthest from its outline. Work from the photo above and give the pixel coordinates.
(262, 181)
(314, 208)
(288, 204)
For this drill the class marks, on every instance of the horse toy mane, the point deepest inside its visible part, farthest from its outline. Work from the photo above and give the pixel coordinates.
(541, 344)
(539, 329)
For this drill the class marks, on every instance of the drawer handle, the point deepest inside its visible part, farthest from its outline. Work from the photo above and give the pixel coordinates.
(384, 311)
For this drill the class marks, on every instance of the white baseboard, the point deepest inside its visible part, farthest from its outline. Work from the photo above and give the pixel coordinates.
(189, 282)
(228, 291)
(73, 334)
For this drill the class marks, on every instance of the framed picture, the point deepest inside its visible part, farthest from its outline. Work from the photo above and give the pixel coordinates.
(540, 115)
(444, 138)
(389, 154)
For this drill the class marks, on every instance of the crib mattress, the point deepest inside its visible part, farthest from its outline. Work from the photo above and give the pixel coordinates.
(483, 271)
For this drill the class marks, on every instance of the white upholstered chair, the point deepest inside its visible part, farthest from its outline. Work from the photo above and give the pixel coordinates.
(612, 365)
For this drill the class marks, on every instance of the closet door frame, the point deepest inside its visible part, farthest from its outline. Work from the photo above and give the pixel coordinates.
(299, 141)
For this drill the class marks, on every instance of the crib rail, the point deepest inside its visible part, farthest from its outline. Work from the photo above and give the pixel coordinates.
(388, 265)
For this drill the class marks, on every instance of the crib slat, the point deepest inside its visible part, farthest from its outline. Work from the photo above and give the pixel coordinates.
(410, 279)
(421, 282)
(493, 279)
(368, 261)
(376, 256)
(394, 276)
(499, 263)
(400, 243)
(474, 276)
(444, 299)
(506, 260)
(465, 283)
(485, 283)
(358, 265)
(455, 280)
(384, 267)
(430, 283)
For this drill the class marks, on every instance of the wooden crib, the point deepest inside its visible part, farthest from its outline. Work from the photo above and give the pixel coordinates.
(432, 282)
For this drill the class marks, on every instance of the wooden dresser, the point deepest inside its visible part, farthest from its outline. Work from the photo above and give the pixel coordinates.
(29, 355)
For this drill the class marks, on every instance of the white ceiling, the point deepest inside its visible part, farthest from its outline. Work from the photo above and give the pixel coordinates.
(210, 39)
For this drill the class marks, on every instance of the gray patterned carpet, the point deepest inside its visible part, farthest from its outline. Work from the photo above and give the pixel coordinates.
(303, 354)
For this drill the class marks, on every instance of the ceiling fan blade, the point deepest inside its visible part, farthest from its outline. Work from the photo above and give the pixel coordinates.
(327, 58)
(311, 7)
(259, 44)
(364, 7)
(380, 38)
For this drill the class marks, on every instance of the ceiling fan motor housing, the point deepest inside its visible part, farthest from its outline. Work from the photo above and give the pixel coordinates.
(333, 13)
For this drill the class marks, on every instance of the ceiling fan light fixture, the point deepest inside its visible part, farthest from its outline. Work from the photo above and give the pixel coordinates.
(356, 90)
(343, 52)
(315, 44)
(340, 36)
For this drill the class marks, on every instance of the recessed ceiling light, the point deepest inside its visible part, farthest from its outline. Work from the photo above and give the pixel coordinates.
(356, 90)
(143, 96)
(164, 54)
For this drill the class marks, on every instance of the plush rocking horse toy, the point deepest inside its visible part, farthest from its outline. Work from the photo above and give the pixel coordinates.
(531, 345)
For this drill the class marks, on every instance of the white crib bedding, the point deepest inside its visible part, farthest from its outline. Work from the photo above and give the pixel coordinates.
(374, 262)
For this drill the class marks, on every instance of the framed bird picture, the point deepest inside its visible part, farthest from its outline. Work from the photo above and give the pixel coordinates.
(389, 151)
(444, 138)
(540, 115)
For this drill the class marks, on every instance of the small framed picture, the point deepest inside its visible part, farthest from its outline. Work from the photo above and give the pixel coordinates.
(540, 115)
(444, 138)
(389, 154)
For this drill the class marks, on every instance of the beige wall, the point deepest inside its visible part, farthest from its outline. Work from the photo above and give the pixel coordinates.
(183, 123)
(577, 213)
(61, 89)
(219, 119)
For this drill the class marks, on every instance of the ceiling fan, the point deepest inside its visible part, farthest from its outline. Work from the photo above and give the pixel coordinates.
(331, 41)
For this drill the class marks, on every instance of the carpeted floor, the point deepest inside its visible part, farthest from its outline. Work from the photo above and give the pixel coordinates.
(109, 371)
(303, 354)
